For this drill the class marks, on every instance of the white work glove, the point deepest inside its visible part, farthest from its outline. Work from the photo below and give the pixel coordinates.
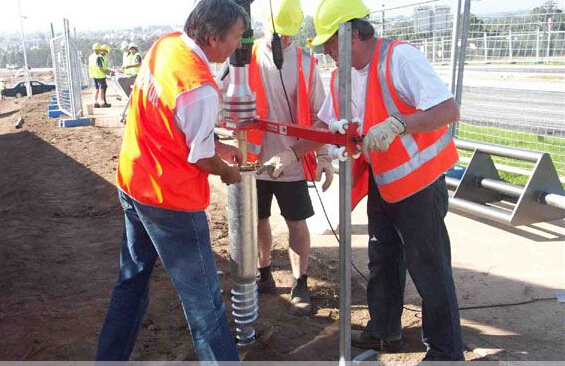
(325, 166)
(381, 136)
(275, 166)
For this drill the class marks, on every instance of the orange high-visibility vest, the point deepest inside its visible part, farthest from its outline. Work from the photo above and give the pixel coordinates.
(255, 137)
(153, 167)
(412, 161)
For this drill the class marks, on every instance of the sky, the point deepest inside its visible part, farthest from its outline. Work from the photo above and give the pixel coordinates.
(117, 14)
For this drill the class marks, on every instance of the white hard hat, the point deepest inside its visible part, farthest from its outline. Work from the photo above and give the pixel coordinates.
(124, 45)
(132, 45)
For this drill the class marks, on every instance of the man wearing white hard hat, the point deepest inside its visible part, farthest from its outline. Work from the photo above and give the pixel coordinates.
(134, 60)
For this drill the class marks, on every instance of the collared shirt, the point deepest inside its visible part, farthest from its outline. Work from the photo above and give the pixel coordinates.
(196, 112)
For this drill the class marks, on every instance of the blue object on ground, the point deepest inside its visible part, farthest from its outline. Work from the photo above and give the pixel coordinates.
(74, 122)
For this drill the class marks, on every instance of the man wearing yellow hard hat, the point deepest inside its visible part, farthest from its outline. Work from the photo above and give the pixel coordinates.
(405, 109)
(305, 93)
(98, 69)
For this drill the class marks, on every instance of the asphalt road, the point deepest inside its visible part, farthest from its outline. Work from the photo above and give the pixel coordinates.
(517, 108)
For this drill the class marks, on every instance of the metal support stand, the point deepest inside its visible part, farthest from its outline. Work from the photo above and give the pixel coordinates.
(345, 201)
(481, 184)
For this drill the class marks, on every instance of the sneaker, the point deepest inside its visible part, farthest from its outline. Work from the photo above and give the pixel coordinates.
(300, 303)
(106, 105)
(362, 339)
(96, 105)
(266, 282)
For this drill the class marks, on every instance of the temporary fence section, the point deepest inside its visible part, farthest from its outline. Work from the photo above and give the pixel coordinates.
(514, 82)
(68, 80)
(428, 25)
(512, 89)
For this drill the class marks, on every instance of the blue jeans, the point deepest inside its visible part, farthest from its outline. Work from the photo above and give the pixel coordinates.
(411, 235)
(182, 241)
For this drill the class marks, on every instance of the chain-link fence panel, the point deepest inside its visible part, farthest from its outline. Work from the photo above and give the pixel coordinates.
(514, 81)
(427, 25)
(67, 69)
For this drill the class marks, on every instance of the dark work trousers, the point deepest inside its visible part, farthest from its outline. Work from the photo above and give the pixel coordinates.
(411, 235)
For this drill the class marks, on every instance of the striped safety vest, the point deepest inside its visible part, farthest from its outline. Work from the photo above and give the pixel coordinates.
(255, 137)
(412, 161)
(153, 166)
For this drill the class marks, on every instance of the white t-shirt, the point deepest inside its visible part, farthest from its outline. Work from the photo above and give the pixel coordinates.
(278, 107)
(414, 79)
(196, 112)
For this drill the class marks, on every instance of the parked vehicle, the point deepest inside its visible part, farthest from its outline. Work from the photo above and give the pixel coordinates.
(19, 89)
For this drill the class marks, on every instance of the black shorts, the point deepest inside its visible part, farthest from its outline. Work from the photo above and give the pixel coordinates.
(292, 197)
(100, 84)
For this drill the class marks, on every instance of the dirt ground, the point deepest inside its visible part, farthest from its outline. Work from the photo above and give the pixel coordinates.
(60, 231)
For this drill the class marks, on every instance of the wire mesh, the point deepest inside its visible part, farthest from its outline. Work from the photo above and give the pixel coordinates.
(67, 71)
(514, 82)
(514, 78)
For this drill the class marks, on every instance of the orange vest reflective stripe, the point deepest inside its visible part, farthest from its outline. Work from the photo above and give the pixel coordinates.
(255, 137)
(412, 161)
(153, 166)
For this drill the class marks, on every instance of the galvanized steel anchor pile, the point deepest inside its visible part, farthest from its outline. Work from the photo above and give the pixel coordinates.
(239, 109)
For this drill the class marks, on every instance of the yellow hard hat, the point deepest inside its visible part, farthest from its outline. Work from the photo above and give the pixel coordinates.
(287, 15)
(96, 47)
(105, 47)
(331, 13)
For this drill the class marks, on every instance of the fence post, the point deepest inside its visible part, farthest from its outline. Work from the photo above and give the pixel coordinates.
(548, 41)
(510, 45)
(68, 47)
(383, 22)
(461, 68)
(537, 44)
(486, 46)
(442, 50)
(454, 46)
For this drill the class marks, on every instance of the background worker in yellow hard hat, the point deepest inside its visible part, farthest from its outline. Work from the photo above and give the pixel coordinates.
(133, 61)
(305, 95)
(98, 69)
(405, 109)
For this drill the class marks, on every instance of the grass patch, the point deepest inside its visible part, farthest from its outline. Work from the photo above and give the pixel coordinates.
(555, 146)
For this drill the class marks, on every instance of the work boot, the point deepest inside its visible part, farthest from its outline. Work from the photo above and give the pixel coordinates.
(300, 303)
(106, 105)
(96, 105)
(266, 282)
(362, 339)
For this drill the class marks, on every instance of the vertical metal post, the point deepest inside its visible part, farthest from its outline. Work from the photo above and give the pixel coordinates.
(537, 43)
(510, 45)
(434, 47)
(485, 41)
(345, 201)
(52, 31)
(442, 50)
(426, 48)
(68, 47)
(461, 68)
(383, 22)
(548, 41)
(26, 71)
(454, 46)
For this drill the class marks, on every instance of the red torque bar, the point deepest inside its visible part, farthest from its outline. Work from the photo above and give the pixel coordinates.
(350, 140)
